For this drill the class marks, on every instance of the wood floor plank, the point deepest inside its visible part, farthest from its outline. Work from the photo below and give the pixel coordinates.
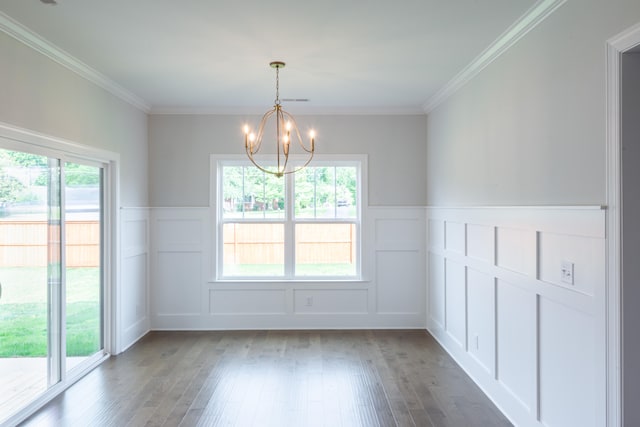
(276, 378)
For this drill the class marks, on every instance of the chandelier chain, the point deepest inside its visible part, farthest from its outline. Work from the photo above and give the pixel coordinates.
(277, 86)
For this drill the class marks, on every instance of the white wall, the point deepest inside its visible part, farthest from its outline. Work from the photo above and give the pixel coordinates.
(530, 128)
(630, 136)
(497, 303)
(184, 295)
(40, 95)
(395, 146)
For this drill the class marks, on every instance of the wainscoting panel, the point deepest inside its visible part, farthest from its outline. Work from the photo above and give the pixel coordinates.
(455, 237)
(399, 287)
(350, 301)
(481, 318)
(180, 260)
(516, 250)
(567, 357)
(456, 301)
(578, 250)
(178, 286)
(481, 243)
(257, 301)
(399, 233)
(436, 289)
(134, 275)
(436, 233)
(516, 296)
(134, 272)
(187, 294)
(516, 342)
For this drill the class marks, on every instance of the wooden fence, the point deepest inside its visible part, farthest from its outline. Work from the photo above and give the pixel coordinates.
(24, 243)
(264, 243)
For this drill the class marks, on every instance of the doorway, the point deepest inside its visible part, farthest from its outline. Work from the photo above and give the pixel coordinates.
(623, 229)
(630, 232)
(52, 272)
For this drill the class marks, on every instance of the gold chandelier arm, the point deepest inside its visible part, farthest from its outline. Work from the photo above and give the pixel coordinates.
(260, 135)
(262, 168)
(287, 172)
(294, 127)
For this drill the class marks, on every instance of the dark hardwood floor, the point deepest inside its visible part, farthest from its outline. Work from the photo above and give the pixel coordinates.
(276, 378)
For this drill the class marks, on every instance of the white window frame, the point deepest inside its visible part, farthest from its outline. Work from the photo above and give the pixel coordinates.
(289, 221)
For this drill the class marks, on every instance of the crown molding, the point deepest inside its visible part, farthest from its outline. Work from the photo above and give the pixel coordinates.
(534, 16)
(21, 33)
(297, 110)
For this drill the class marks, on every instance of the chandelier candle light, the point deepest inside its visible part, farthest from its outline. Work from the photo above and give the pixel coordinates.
(285, 126)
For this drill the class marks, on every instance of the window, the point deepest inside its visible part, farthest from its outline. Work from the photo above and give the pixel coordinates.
(301, 226)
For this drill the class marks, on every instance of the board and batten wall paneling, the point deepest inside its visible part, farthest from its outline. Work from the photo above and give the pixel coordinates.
(134, 299)
(481, 339)
(187, 294)
(400, 270)
(498, 301)
(180, 263)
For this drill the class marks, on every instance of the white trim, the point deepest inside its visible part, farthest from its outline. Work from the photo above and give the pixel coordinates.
(15, 137)
(37, 139)
(576, 220)
(572, 224)
(21, 33)
(358, 161)
(534, 16)
(298, 110)
(625, 41)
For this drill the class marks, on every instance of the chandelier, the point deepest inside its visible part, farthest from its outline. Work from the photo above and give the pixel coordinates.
(286, 130)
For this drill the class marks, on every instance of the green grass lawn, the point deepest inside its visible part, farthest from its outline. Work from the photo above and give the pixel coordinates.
(23, 312)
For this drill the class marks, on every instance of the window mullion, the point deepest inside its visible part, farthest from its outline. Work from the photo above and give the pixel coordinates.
(335, 192)
(289, 227)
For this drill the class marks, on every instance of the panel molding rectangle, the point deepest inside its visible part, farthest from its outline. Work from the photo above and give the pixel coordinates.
(542, 326)
(133, 298)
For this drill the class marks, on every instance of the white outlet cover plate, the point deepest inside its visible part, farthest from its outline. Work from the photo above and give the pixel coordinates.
(566, 272)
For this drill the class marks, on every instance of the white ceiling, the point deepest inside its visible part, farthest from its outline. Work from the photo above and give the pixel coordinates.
(206, 55)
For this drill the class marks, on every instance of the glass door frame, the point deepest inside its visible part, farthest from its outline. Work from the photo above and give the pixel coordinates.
(62, 343)
(18, 139)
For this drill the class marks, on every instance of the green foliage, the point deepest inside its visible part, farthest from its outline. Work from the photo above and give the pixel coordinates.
(11, 189)
(249, 189)
(76, 175)
(25, 159)
(246, 187)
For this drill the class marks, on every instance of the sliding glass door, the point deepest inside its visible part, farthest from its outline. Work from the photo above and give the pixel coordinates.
(51, 270)
(83, 262)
